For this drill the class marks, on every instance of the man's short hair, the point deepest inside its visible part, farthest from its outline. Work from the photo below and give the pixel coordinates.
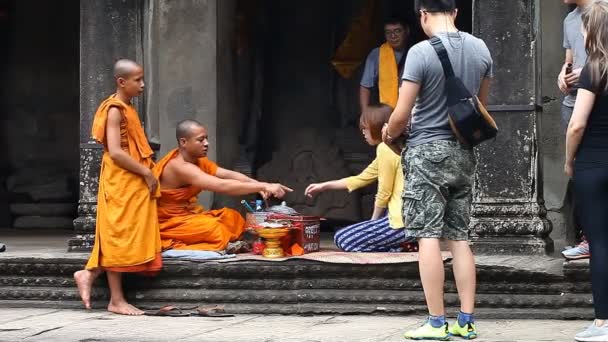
(435, 5)
(394, 20)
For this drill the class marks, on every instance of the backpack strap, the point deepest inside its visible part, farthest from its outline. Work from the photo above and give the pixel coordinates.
(401, 63)
(442, 53)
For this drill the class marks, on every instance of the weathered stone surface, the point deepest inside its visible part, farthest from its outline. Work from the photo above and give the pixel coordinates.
(5, 213)
(310, 158)
(55, 191)
(508, 215)
(44, 209)
(508, 28)
(109, 30)
(505, 285)
(43, 222)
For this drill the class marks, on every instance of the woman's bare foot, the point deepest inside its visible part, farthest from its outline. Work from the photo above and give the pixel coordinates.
(123, 308)
(84, 280)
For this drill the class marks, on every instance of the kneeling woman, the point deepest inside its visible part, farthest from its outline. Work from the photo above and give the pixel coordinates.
(384, 232)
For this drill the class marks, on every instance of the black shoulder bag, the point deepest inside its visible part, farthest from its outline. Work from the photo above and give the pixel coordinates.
(469, 120)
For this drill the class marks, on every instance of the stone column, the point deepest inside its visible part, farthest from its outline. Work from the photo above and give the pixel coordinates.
(187, 52)
(109, 30)
(508, 214)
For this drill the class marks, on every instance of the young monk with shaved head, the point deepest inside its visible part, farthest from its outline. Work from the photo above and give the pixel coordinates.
(127, 234)
(183, 174)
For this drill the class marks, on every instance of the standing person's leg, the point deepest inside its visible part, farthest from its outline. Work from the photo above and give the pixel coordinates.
(84, 280)
(591, 191)
(432, 275)
(457, 218)
(118, 303)
(423, 212)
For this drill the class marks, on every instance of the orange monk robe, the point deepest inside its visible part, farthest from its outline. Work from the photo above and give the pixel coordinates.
(184, 224)
(126, 234)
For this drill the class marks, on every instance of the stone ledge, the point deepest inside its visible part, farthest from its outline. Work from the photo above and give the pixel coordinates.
(320, 309)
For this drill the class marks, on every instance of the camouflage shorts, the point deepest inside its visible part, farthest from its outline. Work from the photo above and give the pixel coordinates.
(438, 190)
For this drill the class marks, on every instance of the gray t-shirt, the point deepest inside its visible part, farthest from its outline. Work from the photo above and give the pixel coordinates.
(369, 79)
(574, 40)
(471, 61)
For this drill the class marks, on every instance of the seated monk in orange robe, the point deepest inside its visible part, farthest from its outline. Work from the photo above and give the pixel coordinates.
(183, 174)
(126, 234)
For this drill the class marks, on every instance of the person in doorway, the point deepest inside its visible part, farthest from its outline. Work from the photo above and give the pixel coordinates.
(184, 173)
(587, 159)
(127, 238)
(384, 65)
(567, 81)
(384, 232)
(439, 170)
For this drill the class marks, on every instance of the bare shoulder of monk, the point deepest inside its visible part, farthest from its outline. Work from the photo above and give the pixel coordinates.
(182, 173)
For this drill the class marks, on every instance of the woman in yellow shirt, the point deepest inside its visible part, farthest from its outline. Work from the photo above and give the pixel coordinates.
(384, 232)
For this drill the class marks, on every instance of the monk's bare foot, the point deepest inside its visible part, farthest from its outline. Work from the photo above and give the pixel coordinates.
(239, 246)
(124, 308)
(84, 280)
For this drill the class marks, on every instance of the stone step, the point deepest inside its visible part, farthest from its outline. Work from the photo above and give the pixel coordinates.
(43, 222)
(343, 296)
(303, 287)
(44, 209)
(330, 309)
(329, 283)
(292, 302)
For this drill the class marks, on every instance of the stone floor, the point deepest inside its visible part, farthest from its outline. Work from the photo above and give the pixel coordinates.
(99, 326)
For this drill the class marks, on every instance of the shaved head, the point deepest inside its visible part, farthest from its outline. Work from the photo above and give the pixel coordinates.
(185, 128)
(125, 68)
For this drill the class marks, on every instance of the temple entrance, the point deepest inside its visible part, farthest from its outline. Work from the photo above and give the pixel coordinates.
(300, 115)
(40, 116)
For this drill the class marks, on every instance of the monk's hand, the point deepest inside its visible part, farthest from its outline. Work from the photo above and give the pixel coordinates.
(314, 189)
(151, 181)
(265, 194)
(277, 190)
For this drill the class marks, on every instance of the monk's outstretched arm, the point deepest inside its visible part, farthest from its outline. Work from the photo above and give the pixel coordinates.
(229, 174)
(230, 187)
(118, 155)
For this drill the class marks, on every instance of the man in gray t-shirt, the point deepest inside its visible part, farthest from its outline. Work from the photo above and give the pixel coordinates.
(438, 170)
(472, 63)
(576, 55)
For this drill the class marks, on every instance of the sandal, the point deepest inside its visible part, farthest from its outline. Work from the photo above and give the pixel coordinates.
(214, 311)
(167, 311)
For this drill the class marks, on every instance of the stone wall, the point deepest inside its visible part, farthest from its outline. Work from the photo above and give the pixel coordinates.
(552, 138)
(39, 121)
(180, 52)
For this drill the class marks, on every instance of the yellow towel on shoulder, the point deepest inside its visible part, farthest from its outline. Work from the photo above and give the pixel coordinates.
(388, 76)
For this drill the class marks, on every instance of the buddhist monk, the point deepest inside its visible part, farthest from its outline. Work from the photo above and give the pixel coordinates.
(184, 173)
(126, 235)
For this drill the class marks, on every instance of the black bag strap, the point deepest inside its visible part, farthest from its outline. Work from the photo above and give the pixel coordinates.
(442, 53)
(401, 63)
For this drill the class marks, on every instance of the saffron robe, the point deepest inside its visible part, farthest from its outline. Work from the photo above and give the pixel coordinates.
(186, 225)
(127, 236)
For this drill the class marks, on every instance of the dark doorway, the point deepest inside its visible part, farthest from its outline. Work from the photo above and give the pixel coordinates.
(300, 114)
(40, 112)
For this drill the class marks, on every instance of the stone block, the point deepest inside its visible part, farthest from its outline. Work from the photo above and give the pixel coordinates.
(43, 222)
(43, 209)
(57, 191)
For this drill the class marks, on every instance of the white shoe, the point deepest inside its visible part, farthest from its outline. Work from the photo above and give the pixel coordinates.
(593, 333)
